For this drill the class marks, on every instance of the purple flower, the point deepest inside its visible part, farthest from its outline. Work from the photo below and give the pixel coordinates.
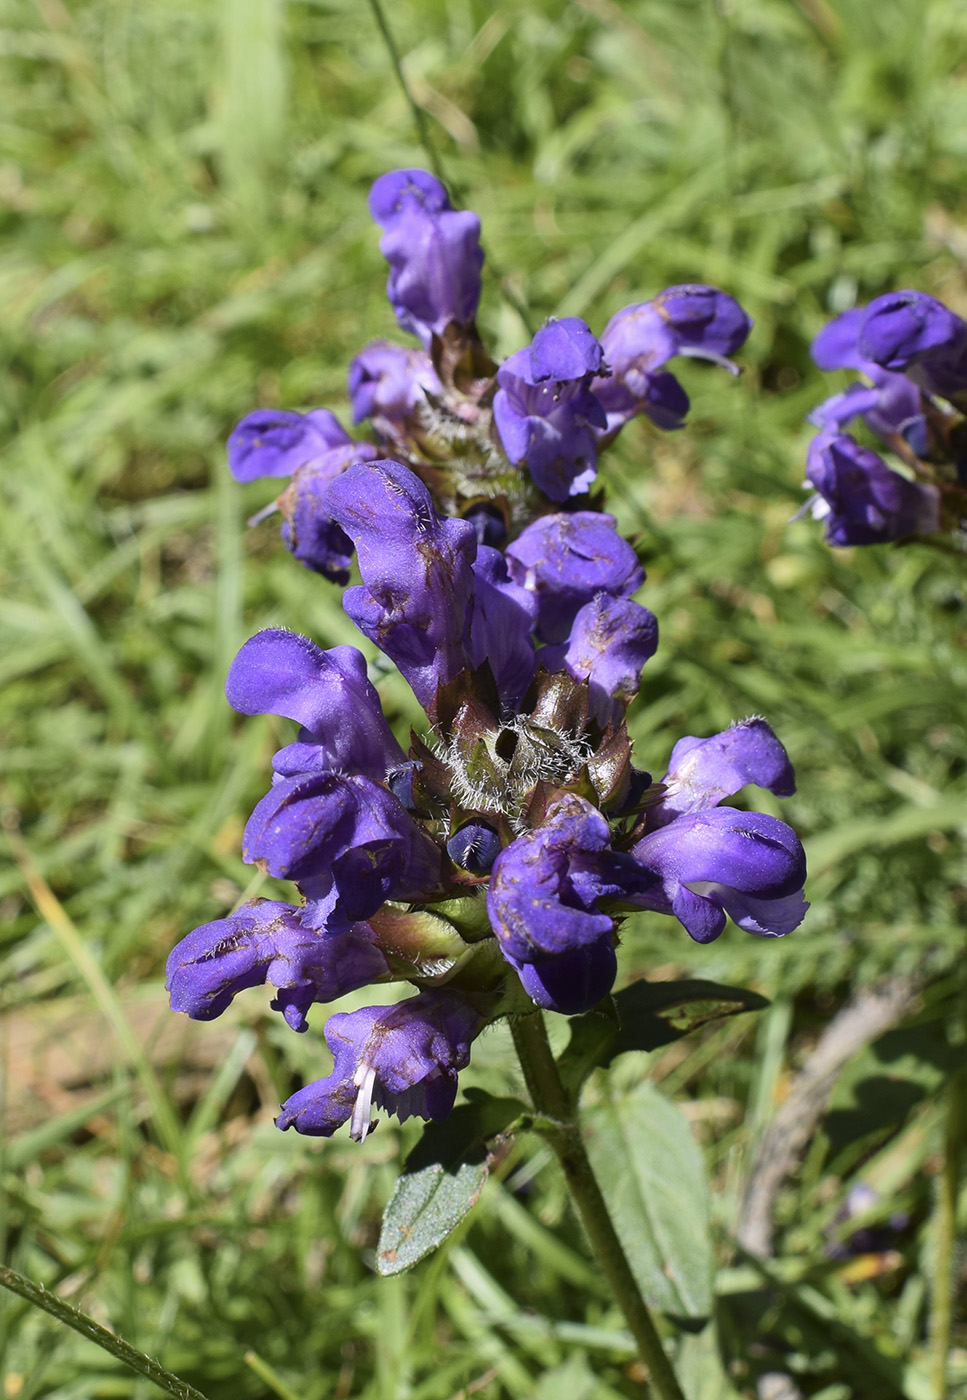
(266, 941)
(907, 332)
(433, 251)
(347, 842)
(701, 772)
(861, 500)
(404, 1059)
(312, 448)
(702, 321)
(721, 861)
(389, 384)
(571, 982)
(311, 535)
(277, 441)
(836, 346)
(327, 692)
(610, 641)
(489, 523)
(890, 407)
(691, 320)
(566, 560)
(545, 412)
(500, 631)
(416, 598)
(914, 332)
(544, 894)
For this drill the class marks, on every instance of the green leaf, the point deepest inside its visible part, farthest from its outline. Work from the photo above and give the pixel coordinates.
(652, 1177)
(645, 1016)
(441, 1180)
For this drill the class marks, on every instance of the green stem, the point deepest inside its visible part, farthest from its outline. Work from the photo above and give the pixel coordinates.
(120, 1350)
(941, 1313)
(551, 1100)
(419, 116)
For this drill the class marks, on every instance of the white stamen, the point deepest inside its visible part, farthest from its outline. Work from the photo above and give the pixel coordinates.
(262, 514)
(360, 1124)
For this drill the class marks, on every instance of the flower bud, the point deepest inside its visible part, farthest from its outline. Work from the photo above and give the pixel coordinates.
(433, 251)
(566, 560)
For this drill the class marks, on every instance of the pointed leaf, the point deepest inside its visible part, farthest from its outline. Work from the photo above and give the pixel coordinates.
(645, 1016)
(441, 1181)
(652, 1177)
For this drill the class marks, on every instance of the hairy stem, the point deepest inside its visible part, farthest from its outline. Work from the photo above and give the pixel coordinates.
(941, 1313)
(36, 1294)
(551, 1100)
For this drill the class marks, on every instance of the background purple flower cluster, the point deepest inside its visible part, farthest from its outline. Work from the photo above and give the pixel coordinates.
(913, 353)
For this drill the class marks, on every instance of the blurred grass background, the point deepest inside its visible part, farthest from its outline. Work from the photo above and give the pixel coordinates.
(184, 238)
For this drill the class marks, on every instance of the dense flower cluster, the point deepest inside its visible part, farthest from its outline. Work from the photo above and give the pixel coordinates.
(913, 352)
(516, 437)
(490, 864)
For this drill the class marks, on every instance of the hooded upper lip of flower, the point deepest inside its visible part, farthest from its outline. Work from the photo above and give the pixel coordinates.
(433, 251)
(415, 600)
(312, 448)
(905, 332)
(692, 320)
(566, 560)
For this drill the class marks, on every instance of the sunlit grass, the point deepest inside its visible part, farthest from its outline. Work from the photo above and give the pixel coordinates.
(185, 237)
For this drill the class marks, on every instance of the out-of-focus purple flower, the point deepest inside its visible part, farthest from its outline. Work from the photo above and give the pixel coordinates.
(875, 1238)
(861, 500)
(433, 251)
(546, 885)
(908, 332)
(703, 322)
(837, 344)
(327, 692)
(278, 441)
(701, 772)
(610, 641)
(404, 1059)
(389, 384)
(723, 861)
(892, 407)
(416, 598)
(266, 941)
(500, 630)
(347, 842)
(916, 333)
(691, 320)
(544, 411)
(566, 560)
